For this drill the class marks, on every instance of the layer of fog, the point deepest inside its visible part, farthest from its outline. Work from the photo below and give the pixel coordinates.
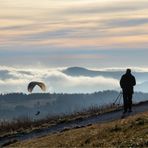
(17, 79)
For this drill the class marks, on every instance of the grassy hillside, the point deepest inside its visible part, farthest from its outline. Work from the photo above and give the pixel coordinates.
(26, 124)
(132, 131)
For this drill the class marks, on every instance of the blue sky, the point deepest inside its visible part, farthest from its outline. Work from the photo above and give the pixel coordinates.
(64, 33)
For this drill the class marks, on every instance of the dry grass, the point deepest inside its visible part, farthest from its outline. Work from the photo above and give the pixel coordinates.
(26, 124)
(129, 132)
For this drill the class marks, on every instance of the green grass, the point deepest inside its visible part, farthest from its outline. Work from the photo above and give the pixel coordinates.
(129, 132)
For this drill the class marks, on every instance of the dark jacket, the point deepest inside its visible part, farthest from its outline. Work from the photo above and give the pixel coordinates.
(127, 83)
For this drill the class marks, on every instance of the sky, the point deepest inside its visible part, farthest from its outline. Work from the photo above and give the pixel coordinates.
(65, 33)
(51, 34)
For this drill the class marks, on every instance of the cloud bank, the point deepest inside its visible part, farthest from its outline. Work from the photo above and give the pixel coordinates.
(17, 79)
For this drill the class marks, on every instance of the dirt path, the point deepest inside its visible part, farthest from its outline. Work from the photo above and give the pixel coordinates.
(106, 117)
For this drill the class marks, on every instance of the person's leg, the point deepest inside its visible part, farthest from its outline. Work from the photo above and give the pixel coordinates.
(130, 101)
(125, 102)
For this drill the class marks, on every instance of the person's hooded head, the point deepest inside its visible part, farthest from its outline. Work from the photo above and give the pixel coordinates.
(128, 71)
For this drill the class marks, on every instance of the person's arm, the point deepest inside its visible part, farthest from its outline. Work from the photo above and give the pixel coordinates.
(121, 82)
(134, 81)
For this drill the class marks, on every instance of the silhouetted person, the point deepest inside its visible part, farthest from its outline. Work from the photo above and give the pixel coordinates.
(127, 84)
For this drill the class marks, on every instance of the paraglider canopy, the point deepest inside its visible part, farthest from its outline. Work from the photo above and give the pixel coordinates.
(31, 85)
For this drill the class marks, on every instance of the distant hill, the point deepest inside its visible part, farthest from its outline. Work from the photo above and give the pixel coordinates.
(79, 71)
(141, 77)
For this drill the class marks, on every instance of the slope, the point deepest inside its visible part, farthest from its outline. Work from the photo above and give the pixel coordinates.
(129, 132)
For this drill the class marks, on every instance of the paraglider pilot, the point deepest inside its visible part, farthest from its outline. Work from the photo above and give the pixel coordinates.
(31, 86)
